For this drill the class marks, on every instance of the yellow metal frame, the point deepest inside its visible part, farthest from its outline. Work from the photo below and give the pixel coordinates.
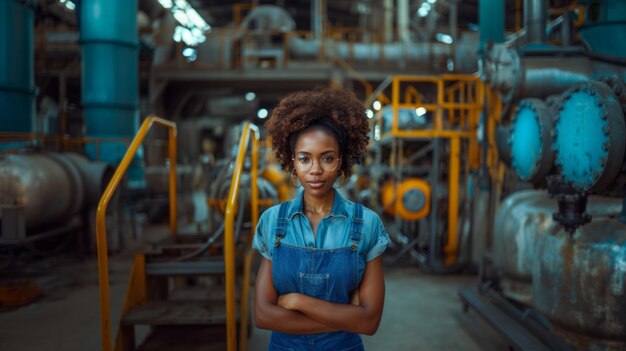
(229, 239)
(462, 97)
(101, 240)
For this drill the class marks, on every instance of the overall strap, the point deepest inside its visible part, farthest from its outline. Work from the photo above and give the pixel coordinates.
(281, 223)
(357, 225)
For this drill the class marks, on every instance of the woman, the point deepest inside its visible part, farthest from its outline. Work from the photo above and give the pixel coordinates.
(320, 282)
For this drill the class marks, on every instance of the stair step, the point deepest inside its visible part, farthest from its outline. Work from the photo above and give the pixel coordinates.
(177, 313)
(200, 293)
(186, 338)
(185, 268)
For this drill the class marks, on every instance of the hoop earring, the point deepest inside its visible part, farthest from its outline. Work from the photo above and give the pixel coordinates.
(344, 180)
(296, 184)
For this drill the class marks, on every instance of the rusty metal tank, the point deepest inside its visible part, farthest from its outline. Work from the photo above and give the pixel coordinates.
(522, 220)
(51, 187)
(579, 284)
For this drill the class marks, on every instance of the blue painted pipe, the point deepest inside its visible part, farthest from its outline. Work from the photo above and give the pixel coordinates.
(17, 80)
(110, 87)
(491, 21)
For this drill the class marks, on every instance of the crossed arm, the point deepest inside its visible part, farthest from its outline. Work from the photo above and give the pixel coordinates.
(300, 314)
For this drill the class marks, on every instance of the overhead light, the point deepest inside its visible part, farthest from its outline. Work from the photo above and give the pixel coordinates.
(426, 6)
(450, 65)
(422, 12)
(376, 105)
(70, 5)
(188, 52)
(444, 38)
(181, 17)
(195, 26)
(262, 113)
(369, 113)
(432, 1)
(197, 20)
(420, 111)
(167, 4)
(250, 96)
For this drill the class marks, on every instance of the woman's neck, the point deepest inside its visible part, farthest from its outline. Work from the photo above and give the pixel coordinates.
(318, 205)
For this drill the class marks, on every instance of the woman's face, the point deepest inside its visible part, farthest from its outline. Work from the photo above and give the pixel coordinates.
(317, 161)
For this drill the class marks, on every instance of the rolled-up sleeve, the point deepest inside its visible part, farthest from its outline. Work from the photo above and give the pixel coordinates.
(379, 241)
(260, 240)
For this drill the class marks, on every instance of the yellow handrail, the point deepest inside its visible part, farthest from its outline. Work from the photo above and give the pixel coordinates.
(101, 242)
(229, 230)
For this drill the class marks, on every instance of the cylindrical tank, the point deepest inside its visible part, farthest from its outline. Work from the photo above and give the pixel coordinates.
(523, 219)
(110, 88)
(579, 284)
(17, 78)
(51, 187)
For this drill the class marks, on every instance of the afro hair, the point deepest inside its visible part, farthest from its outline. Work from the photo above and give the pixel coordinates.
(340, 109)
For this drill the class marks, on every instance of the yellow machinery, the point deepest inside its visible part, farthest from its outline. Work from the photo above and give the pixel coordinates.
(410, 199)
(426, 151)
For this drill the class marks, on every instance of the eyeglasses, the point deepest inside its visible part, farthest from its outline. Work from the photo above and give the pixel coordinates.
(328, 163)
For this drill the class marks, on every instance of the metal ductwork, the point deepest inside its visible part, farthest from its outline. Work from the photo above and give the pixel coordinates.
(110, 88)
(268, 19)
(399, 53)
(542, 75)
(17, 82)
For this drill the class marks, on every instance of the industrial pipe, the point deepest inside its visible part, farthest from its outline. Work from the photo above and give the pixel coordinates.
(491, 17)
(535, 18)
(17, 82)
(110, 89)
(51, 187)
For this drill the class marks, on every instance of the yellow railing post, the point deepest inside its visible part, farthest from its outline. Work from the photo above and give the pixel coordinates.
(101, 240)
(229, 231)
(254, 210)
(395, 100)
(452, 245)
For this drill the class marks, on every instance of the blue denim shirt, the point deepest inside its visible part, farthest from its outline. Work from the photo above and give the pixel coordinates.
(330, 231)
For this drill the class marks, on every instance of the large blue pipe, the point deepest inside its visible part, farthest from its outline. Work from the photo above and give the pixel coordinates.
(110, 88)
(17, 80)
(491, 21)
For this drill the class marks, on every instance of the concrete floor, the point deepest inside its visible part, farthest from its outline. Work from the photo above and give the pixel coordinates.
(422, 312)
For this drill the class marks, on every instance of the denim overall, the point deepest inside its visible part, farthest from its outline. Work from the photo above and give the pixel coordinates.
(326, 274)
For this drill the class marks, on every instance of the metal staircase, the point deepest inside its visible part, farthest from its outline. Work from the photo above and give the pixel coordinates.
(164, 290)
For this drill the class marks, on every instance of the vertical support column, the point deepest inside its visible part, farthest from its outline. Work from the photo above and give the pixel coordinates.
(535, 21)
(403, 21)
(454, 18)
(451, 249)
(317, 18)
(110, 88)
(17, 79)
(491, 21)
(388, 21)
